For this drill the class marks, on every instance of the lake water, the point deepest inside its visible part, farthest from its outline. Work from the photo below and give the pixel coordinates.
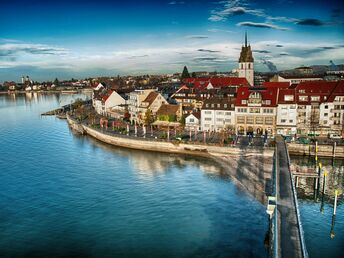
(69, 195)
(316, 212)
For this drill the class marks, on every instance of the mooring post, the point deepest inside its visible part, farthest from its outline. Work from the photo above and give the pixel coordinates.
(335, 202)
(334, 149)
(323, 193)
(296, 181)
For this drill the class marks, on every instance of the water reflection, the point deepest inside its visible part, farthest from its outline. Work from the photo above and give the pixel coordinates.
(334, 179)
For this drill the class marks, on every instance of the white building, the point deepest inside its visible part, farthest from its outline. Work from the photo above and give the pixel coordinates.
(134, 102)
(192, 121)
(107, 102)
(286, 122)
(217, 114)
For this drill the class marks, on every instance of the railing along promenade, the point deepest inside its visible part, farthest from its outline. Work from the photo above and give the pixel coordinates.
(287, 233)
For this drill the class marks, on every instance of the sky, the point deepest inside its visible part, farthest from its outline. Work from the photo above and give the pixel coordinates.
(81, 38)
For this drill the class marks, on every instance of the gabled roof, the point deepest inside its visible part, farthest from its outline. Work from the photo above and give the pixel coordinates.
(195, 114)
(217, 103)
(323, 89)
(151, 97)
(267, 93)
(338, 90)
(168, 109)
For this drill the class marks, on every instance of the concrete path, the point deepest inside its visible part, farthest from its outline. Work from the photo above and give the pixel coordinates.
(290, 243)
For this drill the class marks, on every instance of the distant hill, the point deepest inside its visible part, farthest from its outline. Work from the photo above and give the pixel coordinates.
(317, 69)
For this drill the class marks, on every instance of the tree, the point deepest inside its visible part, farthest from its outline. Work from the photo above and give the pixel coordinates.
(193, 75)
(185, 73)
(149, 119)
(56, 82)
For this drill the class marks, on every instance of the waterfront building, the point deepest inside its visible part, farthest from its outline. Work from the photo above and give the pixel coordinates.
(135, 98)
(192, 121)
(255, 110)
(286, 120)
(108, 103)
(246, 61)
(196, 90)
(168, 112)
(218, 114)
(151, 103)
(337, 112)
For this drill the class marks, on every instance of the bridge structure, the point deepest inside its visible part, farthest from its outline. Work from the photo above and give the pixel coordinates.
(286, 232)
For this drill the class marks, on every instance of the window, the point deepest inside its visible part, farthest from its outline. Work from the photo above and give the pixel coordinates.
(250, 120)
(303, 98)
(325, 122)
(292, 107)
(254, 110)
(315, 98)
(242, 110)
(283, 120)
(268, 120)
(207, 112)
(268, 102)
(218, 105)
(207, 119)
(302, 91)
(244, 101)
(240, 119)
(291, 121)
(227, 120)
(325, 114)
(219, 113)
(225, 105)
(212, 105)
(219, 120)
(288, 97)
(228, 113)
(259, 120)
(268, 111)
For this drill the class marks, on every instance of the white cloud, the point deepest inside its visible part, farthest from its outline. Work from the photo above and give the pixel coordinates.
(261, 25)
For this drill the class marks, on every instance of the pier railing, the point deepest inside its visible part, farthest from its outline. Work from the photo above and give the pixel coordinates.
(296, 203)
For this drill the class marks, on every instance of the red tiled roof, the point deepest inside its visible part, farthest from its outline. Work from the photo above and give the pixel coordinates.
(267, 93)
(338, 90)
(282, 93)
(217, 82)
(323, 89)
(276, 84)
(107, 95)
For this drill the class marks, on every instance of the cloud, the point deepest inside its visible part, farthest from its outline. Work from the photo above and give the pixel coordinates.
(284, 54)
(233, 8)
(11, 49)
(197, 37)
(262, 51)
(261, 25)
(207, 50)
(219, 30)
(278, 45)
(176, 2)
(310, 22)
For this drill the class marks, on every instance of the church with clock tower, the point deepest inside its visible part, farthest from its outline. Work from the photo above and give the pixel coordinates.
(246, 63)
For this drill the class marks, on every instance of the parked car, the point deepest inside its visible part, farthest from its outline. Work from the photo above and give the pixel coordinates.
(303, 140)
(335, 136)
(288, 138)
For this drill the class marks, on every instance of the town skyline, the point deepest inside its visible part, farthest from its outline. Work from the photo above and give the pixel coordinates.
(89, 39)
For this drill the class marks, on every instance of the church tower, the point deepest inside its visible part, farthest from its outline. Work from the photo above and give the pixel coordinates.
(246, 63)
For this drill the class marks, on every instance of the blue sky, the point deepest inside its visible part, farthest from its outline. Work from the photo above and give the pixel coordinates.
(64, 39)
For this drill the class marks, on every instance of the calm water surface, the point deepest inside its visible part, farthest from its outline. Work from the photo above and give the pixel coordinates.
(68, 195)
(316, 212)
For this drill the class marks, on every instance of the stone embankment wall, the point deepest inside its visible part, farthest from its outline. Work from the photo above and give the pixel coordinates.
(309, 150)
(249, 168)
